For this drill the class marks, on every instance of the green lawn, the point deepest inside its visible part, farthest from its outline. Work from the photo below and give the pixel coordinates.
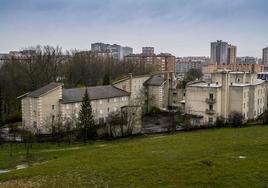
(205, 158)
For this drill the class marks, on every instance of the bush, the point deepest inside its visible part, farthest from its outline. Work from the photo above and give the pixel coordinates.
(154, 111)
(12, 118)
(236, 119)
(265, 118)
(220, 122)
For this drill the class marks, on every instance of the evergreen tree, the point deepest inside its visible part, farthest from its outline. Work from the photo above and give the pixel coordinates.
(86, 120)
(106, 79)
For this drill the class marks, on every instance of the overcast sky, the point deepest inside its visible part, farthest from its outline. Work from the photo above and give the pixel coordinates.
(181, 27)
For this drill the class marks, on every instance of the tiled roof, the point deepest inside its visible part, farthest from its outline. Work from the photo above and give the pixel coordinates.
(43, 90)
(155, 80)
(95, 93)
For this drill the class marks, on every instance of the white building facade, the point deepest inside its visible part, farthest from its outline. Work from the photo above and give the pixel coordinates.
(228, 92)
(52, 103)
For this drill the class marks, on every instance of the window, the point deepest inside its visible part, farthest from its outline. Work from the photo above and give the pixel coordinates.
(67, 106)
(210, 107)
(76, 105)
(100, 101)
(210, 120)
(101, 112)
(115, 108)
(108, 109)
(76, 115)
(53, 107)
(115, 100)
(53, 118)
(211, 96)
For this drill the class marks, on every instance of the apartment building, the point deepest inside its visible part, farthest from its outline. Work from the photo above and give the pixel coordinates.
(231, 55)
(247, 60)
(161, 62)
(212, 68)
(148, 51)
(166, 62)
(132, 84)
(265, 57)
(158, 90)
(222, 53)
(47, 105)
(219, 52)
(142, 60)
(182, 67)
(96, 54)
(117, 51)
(227, 92)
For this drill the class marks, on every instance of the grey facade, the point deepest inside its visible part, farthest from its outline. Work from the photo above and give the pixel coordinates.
(231, 56)
(247, 60)
(117, 51)
(219, 52)
(148, 50)
(265, 57)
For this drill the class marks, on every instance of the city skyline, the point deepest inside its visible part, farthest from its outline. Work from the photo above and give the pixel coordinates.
(183, 28)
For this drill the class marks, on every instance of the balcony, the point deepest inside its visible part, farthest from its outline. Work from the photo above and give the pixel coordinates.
(211, 100)
(210, 111)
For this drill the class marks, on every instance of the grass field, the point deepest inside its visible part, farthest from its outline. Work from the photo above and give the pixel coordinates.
(206, 158)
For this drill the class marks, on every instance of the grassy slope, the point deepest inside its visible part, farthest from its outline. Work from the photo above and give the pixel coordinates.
(206, 158)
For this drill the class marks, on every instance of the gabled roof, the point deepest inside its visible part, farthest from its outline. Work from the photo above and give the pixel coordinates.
(43, 90)
(95, 93)
(156, 80)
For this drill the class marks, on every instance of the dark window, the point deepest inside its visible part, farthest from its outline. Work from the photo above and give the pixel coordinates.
(211, 95)
(53, 107)
(210, 107)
